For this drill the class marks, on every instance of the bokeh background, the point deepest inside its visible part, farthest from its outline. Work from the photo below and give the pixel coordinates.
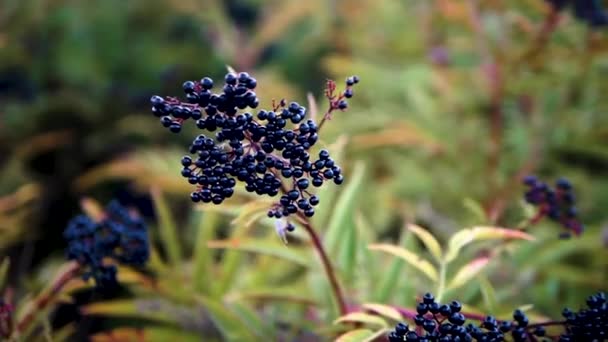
(458, 100)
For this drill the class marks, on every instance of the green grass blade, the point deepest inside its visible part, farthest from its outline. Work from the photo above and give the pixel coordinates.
(203, 257)
(167, 229)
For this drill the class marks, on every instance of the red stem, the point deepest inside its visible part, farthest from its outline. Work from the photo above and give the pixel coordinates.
(46, 297)
(329, 270)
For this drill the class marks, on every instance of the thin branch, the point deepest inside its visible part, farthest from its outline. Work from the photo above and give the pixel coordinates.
(46, 297)
(329, 270)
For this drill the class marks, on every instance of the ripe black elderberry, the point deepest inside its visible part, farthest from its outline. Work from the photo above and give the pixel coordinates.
(588, 324)
(444, 322)
(269, 152)
(119, 236)
(591, 12)
(556, 203)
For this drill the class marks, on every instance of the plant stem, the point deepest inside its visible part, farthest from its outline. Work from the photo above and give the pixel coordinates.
(63, 277)
(442, 273)
(329, 270)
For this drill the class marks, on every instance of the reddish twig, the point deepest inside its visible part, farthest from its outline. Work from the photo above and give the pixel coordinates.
(41, 302)
(329, 270)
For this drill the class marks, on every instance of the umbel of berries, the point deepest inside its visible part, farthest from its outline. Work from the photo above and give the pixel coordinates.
(269, 151)
(588, 324)
(445, 322)
(557, 203)
(591, 12)
(120, 235)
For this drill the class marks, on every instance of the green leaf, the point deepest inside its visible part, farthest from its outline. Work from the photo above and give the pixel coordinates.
(488, 293)
(388, 280)
(263, 330)
(271, 247)
(476, 209)
(468, 271)
(411, 258)
(343, 210)
(167, 229)
(428, 239)
(347, 260)
(128, 308)
(226, 321)
(358, 335)
(361, 317)
(3, 270)
(466, 236)
(203, 259)
(384, 310)
(284, 295)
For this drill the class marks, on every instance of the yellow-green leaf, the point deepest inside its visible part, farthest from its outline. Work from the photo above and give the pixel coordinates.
(361, 317)
(128, 309)
(466, 236)
(468, 271)
(384, 310)
(3, 269)
(228, 322)
(488, 293)
(476, 209)
(272, 247)
(167, 228)
(411, 258)
(203, 259)
(358, 335)
(428, 239)
(343, 209)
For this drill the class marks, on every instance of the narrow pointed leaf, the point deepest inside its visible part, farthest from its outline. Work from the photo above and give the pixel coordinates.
(203, 261)
(412, 259)
(167, 229)
(266, 247)
(358, 335)
(468, 272)
(361, 317)
(384, 310)
(226, 321)
(488, 293)
(343, 210)
(428, 239)
(127, 309)
(3, 270)
(466, 236)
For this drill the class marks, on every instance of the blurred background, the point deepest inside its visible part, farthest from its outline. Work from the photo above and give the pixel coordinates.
(458, 100)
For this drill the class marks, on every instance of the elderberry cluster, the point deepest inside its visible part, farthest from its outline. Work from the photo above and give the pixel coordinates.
(119, 235)
(556, 203)
(591, 12)
(260, 150)
(589, 324)
(446, 323)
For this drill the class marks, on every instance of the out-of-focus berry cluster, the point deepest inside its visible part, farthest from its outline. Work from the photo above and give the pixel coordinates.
(445, 323)
(258, 150)
(556, 203)
(120, 235)
(6, 319)
(591, 12)
(588, 324)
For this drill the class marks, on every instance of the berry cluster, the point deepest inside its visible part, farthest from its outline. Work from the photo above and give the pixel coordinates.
(258, 150)
(558, 204)
(591, 12)
(445, 323)
(590, 324)
(119, 235)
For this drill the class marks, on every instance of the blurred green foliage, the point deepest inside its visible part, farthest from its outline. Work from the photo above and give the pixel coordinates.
(458, 100)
